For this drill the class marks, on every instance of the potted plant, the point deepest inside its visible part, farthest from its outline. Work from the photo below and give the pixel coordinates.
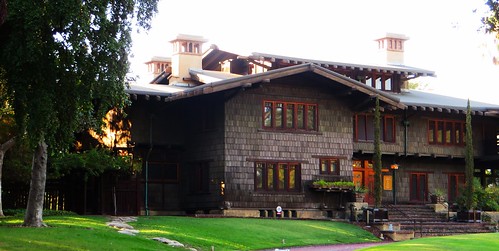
(343, 184)
(437, 196)
(360, 193)
(321, 184)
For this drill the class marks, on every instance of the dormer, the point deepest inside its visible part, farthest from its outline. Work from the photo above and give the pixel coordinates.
(391, 48)
(187, 53)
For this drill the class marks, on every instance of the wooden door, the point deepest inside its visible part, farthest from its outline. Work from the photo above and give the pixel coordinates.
(363, 175)
(418, 187)
(455, 182)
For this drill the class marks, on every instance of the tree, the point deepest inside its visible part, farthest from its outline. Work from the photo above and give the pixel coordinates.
(65, 63)
(470, 201)
(492, 22)
(6, 128)
(377, 156)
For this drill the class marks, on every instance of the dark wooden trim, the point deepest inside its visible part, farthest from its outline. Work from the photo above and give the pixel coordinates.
(329, 157)
(445, 122)
(295, 115)
(277, 160)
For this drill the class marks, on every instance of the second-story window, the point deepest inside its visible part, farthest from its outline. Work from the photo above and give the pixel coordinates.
(445, 132)
(290, 116)
(364, 128)
(330, 166)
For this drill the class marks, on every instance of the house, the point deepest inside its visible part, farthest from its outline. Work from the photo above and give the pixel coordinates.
(241, 135)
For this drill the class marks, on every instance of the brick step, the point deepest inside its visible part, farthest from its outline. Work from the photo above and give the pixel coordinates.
(449, 228)
(413, 216)
(418, 219)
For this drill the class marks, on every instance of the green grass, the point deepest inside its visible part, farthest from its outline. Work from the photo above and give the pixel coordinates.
(72, 232)
(69, 233)
(472, 242)
(91, 233)
(250, 234)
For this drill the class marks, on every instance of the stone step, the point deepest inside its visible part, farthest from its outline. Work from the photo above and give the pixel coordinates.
(430, 223)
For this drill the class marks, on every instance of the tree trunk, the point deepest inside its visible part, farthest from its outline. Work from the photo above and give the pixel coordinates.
(34, 210)
(378, 185)
(3, 148)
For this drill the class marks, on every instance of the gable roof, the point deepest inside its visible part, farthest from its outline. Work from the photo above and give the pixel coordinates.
(248, 80)
(390, 68)
(425, 101)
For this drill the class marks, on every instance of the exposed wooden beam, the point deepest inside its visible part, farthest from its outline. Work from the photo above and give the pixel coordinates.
(363, 103)
(345, 92)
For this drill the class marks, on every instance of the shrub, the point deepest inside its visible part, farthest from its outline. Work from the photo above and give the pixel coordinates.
(20, 212)
(486, 199)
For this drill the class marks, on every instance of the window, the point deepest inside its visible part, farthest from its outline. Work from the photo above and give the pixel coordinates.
(443, 132)
(330, 166)
(289, 116)
(277, 176)
(364, 128)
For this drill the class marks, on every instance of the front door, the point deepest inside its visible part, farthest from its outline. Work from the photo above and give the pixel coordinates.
(363, 175)
(418, 187)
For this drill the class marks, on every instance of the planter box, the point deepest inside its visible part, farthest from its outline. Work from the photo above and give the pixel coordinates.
(469, 216)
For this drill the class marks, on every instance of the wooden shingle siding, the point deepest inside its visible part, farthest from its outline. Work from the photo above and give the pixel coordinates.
(417, 137)
(246, 141)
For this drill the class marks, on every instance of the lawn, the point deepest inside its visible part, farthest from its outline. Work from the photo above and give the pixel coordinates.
(91, 233)
(471, 242)
(250, 234)
(69, 233)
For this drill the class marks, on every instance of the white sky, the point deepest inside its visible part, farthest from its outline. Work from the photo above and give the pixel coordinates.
(444, 35)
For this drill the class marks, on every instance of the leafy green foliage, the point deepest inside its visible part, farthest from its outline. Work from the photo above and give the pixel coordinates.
(486, 199)
(66, 61)
(470, 200)
(333, 184)
(21, 212)
(377, 164)
(492, 22)
(93, 162)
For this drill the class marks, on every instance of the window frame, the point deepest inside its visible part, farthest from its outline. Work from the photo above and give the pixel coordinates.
(438, 134)
(276, 115)
(329, 169)
(274, 183)
(386, 136)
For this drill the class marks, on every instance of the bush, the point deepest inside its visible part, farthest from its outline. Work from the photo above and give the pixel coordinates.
(487, 199)
(21, 212)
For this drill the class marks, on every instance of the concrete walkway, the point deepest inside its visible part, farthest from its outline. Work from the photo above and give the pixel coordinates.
(337, 247)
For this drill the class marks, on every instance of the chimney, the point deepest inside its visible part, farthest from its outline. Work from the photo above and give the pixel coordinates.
(158, 65)
(187, 53)
(391, 48)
